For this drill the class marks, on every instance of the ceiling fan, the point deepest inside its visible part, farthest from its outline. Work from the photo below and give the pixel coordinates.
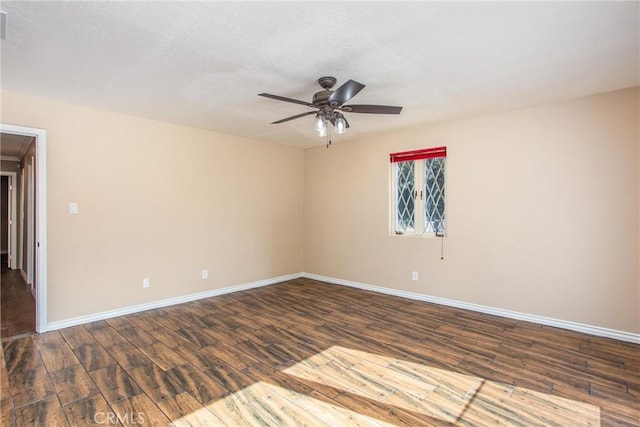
(329, 105)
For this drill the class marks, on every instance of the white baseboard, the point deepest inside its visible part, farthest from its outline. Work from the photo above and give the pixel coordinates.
(564, 324)
(166, 302)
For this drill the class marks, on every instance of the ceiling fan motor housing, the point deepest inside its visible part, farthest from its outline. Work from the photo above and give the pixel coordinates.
(320, 99)
(327, 82)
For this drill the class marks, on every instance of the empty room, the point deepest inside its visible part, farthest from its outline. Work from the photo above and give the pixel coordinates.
(321, 214)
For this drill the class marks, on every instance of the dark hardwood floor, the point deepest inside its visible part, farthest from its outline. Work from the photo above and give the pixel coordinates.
(308, 353)
(17, 305)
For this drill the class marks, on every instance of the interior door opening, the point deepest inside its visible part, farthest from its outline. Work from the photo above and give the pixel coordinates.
(24, 275)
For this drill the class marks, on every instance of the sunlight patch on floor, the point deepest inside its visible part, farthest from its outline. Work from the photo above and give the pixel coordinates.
(424, 392)
(264, 404)
(438, 393)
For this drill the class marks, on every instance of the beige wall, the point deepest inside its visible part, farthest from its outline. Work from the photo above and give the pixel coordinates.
(161, 201)
(542, 204)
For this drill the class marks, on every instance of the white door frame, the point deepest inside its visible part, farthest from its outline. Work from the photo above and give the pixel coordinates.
(41, 218)
(28, 266)
(13, 221)
(21, 201)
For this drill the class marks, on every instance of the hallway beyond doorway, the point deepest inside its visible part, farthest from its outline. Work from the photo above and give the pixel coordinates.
(17, 306)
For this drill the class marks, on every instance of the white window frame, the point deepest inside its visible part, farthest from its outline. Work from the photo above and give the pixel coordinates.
(419, 201)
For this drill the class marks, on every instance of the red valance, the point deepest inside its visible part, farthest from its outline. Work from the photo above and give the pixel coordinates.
(425, 153)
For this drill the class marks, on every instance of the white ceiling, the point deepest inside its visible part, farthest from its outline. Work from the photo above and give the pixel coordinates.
(202, 64)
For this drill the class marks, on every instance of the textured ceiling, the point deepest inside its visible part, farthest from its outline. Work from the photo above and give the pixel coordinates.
(202, 64)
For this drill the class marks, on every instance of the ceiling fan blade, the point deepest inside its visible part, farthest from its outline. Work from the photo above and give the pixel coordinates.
(297, 116)
(282, 98)
(345, 93)
(371, 109)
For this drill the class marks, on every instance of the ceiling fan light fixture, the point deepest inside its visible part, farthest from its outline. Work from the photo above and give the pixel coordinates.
(341, 125)
(320, 125)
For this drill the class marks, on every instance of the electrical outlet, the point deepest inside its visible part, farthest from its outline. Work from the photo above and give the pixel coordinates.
(205, 274)
(414, 276)
(145, 282)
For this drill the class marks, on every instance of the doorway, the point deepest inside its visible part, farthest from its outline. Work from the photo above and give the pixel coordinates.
(29, 257)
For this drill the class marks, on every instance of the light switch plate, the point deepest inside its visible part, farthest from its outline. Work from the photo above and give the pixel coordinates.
(73, 208)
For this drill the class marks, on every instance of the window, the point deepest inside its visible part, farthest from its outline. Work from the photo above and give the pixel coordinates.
(418, 184)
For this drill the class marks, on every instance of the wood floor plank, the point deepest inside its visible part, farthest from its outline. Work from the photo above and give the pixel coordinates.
(105, 334)
(202, 358)
(93, 356)
(55, 352)
(228, 355)
(231, 379)
(138, 336)
(128, 356)
(169, 338)
(31, 386)
(199, 385)
(285, 406)
(120, 323)
(333, 414)
(77, 336)
(162, 356)
(140, 410)
(5, 390)
(155, 382)
(73, 384)
(115, 384)
(21, 355)
(46, 412)
(93, 410)
(144, 321)
(185, 411)
(196, 336)
(7, 414)
(382, 412)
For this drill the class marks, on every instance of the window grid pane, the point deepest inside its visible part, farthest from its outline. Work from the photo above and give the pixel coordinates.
(405, 203)
(434, 213)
